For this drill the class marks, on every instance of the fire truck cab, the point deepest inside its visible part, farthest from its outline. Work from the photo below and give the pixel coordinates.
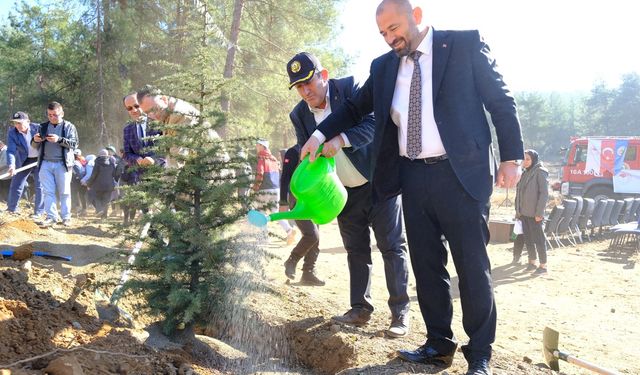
(576, 180)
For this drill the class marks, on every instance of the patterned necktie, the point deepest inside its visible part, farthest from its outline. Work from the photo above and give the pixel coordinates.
(142, 133)
(414, 120)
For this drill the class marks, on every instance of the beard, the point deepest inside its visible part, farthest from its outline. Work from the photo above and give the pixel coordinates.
(402, 47)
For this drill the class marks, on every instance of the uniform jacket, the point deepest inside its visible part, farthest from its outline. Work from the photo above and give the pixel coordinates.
(360, 135)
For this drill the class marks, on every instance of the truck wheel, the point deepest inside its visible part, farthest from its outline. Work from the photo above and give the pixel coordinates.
(599, 193)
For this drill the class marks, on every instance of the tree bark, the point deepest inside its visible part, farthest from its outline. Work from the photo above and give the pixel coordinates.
(231, 55)
(104, 136)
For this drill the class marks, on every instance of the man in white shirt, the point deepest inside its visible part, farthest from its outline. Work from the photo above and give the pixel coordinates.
(432, 144)
(351, 150)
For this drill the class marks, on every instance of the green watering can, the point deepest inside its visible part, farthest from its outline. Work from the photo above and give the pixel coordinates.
(320, 194)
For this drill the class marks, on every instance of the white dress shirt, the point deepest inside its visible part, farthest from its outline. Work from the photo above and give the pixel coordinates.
(347, 172)
(32, 152)
(431, 141)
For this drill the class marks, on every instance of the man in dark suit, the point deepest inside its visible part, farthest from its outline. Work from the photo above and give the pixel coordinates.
(21, 153)
(432, 143)
(351, 150)
(135, 139)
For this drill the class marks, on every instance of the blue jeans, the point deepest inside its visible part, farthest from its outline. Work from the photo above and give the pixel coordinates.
(16, 188)
(55, 178)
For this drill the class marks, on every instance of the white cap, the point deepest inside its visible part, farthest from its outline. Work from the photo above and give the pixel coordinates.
(263, 142)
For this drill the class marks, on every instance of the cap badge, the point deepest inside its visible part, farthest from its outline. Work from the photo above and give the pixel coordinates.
(295, 66)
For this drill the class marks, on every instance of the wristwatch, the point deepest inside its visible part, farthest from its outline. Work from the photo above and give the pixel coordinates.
(516, 162)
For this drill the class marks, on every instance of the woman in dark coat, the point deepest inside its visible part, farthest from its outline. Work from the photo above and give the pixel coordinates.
(102, 182)
(532, 193)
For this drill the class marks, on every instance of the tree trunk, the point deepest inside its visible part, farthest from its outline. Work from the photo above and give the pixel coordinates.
(231, 55)
(180, 30)
(104, 136)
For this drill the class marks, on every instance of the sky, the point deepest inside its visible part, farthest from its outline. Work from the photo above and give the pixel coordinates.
(539, 45)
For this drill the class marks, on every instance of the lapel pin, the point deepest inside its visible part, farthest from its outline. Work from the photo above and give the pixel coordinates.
(444, 45)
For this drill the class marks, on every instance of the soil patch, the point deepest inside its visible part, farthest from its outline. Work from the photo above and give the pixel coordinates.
(48, 312)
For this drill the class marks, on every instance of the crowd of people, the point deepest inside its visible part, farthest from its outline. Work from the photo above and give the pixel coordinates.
(44, 164)
(46, 157)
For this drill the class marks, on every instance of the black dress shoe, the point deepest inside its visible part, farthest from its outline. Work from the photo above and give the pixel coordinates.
(428, 355)
(479, 367)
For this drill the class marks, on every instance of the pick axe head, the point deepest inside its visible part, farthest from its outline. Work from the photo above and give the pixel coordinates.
(550, 340)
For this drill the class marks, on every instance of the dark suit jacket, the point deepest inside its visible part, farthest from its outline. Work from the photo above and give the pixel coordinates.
(465, 83)
(17, 147)
(135, 148)
(360, 134)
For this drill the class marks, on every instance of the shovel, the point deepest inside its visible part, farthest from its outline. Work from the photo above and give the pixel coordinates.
(550, 340)
(17, 255)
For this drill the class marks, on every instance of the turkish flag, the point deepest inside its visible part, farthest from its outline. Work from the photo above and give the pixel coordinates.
(607, 155)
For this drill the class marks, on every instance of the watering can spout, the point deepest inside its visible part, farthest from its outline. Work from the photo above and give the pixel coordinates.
(319, 193)
(299, 212)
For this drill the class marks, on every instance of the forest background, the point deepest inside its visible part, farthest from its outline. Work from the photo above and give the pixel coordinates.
(88, 54)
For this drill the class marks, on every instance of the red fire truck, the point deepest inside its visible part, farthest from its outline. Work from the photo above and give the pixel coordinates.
(577, 180)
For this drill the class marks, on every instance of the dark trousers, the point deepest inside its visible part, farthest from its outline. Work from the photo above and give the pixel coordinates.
(534, 238)
(102, 200)
(386, 220)
(78, 195)
(16, 188)
(435, 203)
(4, 189)
(518, 245)
(308, 246)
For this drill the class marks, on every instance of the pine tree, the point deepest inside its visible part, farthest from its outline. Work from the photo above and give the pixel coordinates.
(193, 208)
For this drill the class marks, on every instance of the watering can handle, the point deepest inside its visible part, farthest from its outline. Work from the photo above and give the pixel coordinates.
(319, 151)
(319, 154)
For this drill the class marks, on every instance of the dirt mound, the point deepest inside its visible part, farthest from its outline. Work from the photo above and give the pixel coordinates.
(311, 344)
(27, 226)
(20, 230)
(47, 327)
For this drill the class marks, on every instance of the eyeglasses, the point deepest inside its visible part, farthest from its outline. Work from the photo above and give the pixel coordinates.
(131, 108)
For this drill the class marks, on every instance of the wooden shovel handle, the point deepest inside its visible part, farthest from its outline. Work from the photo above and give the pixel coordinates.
(584, 364)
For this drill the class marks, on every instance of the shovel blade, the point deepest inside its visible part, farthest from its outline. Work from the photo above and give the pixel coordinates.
(550, 340)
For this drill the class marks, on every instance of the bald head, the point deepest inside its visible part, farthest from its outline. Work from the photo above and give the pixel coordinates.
(398, 24)
(398, 6)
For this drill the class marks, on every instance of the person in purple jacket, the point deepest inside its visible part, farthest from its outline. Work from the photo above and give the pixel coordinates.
(136, 142)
